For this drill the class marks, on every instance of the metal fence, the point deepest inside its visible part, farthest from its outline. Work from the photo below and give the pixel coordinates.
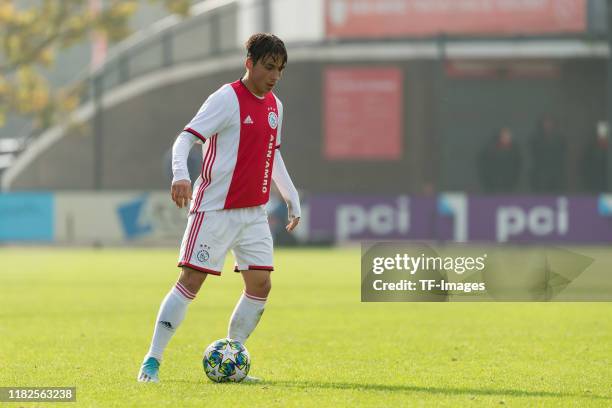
(214, 32)
(206, 35)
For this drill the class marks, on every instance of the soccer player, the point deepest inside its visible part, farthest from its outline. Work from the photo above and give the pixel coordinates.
(240, 128)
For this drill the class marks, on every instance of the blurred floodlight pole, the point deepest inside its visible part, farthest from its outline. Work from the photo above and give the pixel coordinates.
(98, 89)
(98, 55)
(609, 92)
(266, 16)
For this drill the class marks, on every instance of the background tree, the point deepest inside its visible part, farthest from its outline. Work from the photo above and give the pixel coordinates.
(30, 38)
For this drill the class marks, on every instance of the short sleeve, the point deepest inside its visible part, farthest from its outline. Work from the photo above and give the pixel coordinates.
(280, 123)
(212, 117)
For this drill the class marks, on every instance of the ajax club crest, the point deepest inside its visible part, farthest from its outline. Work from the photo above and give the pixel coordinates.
(273, 120)
(203, 255)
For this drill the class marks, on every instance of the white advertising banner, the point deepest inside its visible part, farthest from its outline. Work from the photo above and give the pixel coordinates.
(141, 218)
(133, 217)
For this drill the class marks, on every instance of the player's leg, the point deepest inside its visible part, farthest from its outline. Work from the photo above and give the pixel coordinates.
(253, 253)
(251, 304)
(196, 263)
(173, 309)
(169, 317)
(191, 279)
(257, 283)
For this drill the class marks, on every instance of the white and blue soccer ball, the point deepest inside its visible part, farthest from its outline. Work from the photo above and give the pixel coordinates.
(226, 360)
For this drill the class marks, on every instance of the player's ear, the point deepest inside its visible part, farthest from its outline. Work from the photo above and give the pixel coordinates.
(249, 64)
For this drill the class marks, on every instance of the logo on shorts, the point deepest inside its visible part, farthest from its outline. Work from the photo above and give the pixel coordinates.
(273, 120)
(203, 255)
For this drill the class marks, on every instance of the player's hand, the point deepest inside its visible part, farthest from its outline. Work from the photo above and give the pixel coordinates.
(181, 193)
(293, 222)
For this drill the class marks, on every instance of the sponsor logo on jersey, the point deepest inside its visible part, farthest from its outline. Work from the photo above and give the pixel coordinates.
(248, 120)
(273, 120)
(268, 168)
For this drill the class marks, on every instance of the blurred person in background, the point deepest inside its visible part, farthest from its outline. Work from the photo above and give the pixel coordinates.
(499, 163)
(595, 159)
(549, 158)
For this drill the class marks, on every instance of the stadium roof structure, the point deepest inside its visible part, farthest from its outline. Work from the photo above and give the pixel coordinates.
(164, 53)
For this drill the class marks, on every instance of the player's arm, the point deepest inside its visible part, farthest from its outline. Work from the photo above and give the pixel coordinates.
(181, 182)
(285, 186)
(211, 118)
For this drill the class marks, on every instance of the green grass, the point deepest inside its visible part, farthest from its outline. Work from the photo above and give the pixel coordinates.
(73, 317)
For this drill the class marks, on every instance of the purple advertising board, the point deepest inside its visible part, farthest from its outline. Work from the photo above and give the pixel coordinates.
(459, 217)
(355, 218)
(540, 219)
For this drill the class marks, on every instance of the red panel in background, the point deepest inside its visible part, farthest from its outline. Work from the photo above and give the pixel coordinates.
(363, 113)
(474, 69)
(402, 18)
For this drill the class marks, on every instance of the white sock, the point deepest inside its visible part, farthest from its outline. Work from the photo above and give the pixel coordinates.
(171, 314)
(246, 315)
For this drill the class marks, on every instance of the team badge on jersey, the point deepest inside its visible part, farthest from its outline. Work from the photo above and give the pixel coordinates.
(273, 120)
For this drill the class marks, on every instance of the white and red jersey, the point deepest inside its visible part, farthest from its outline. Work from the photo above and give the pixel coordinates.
(239, 132)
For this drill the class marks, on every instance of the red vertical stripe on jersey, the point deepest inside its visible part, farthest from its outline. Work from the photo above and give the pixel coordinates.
(206, 173)
(203, 184)
(207, 156)
(210, 167)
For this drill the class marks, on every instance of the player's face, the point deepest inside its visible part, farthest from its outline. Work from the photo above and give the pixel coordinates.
(265, 73)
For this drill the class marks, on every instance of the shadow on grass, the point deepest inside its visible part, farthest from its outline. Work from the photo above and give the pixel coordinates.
(429, 390)
(499, 392)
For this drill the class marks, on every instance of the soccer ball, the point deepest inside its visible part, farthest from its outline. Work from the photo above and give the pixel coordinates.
(226, 360)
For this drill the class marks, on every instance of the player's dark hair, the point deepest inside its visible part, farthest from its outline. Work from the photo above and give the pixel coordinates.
(263, 45)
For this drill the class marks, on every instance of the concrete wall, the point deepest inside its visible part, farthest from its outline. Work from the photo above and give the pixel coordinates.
(446, 121)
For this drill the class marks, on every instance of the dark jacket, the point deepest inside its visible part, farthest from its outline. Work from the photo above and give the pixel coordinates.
(549, 155)
(499, 166)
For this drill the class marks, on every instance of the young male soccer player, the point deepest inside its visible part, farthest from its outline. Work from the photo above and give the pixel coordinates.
(240, 128)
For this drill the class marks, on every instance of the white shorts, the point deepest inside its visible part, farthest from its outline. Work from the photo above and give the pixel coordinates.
(210, 235)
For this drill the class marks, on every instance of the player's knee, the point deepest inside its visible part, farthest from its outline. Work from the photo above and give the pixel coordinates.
(266, 286)
(260, 287)
(192, 279)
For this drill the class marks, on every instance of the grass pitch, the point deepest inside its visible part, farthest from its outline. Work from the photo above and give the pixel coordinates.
(84, 318)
